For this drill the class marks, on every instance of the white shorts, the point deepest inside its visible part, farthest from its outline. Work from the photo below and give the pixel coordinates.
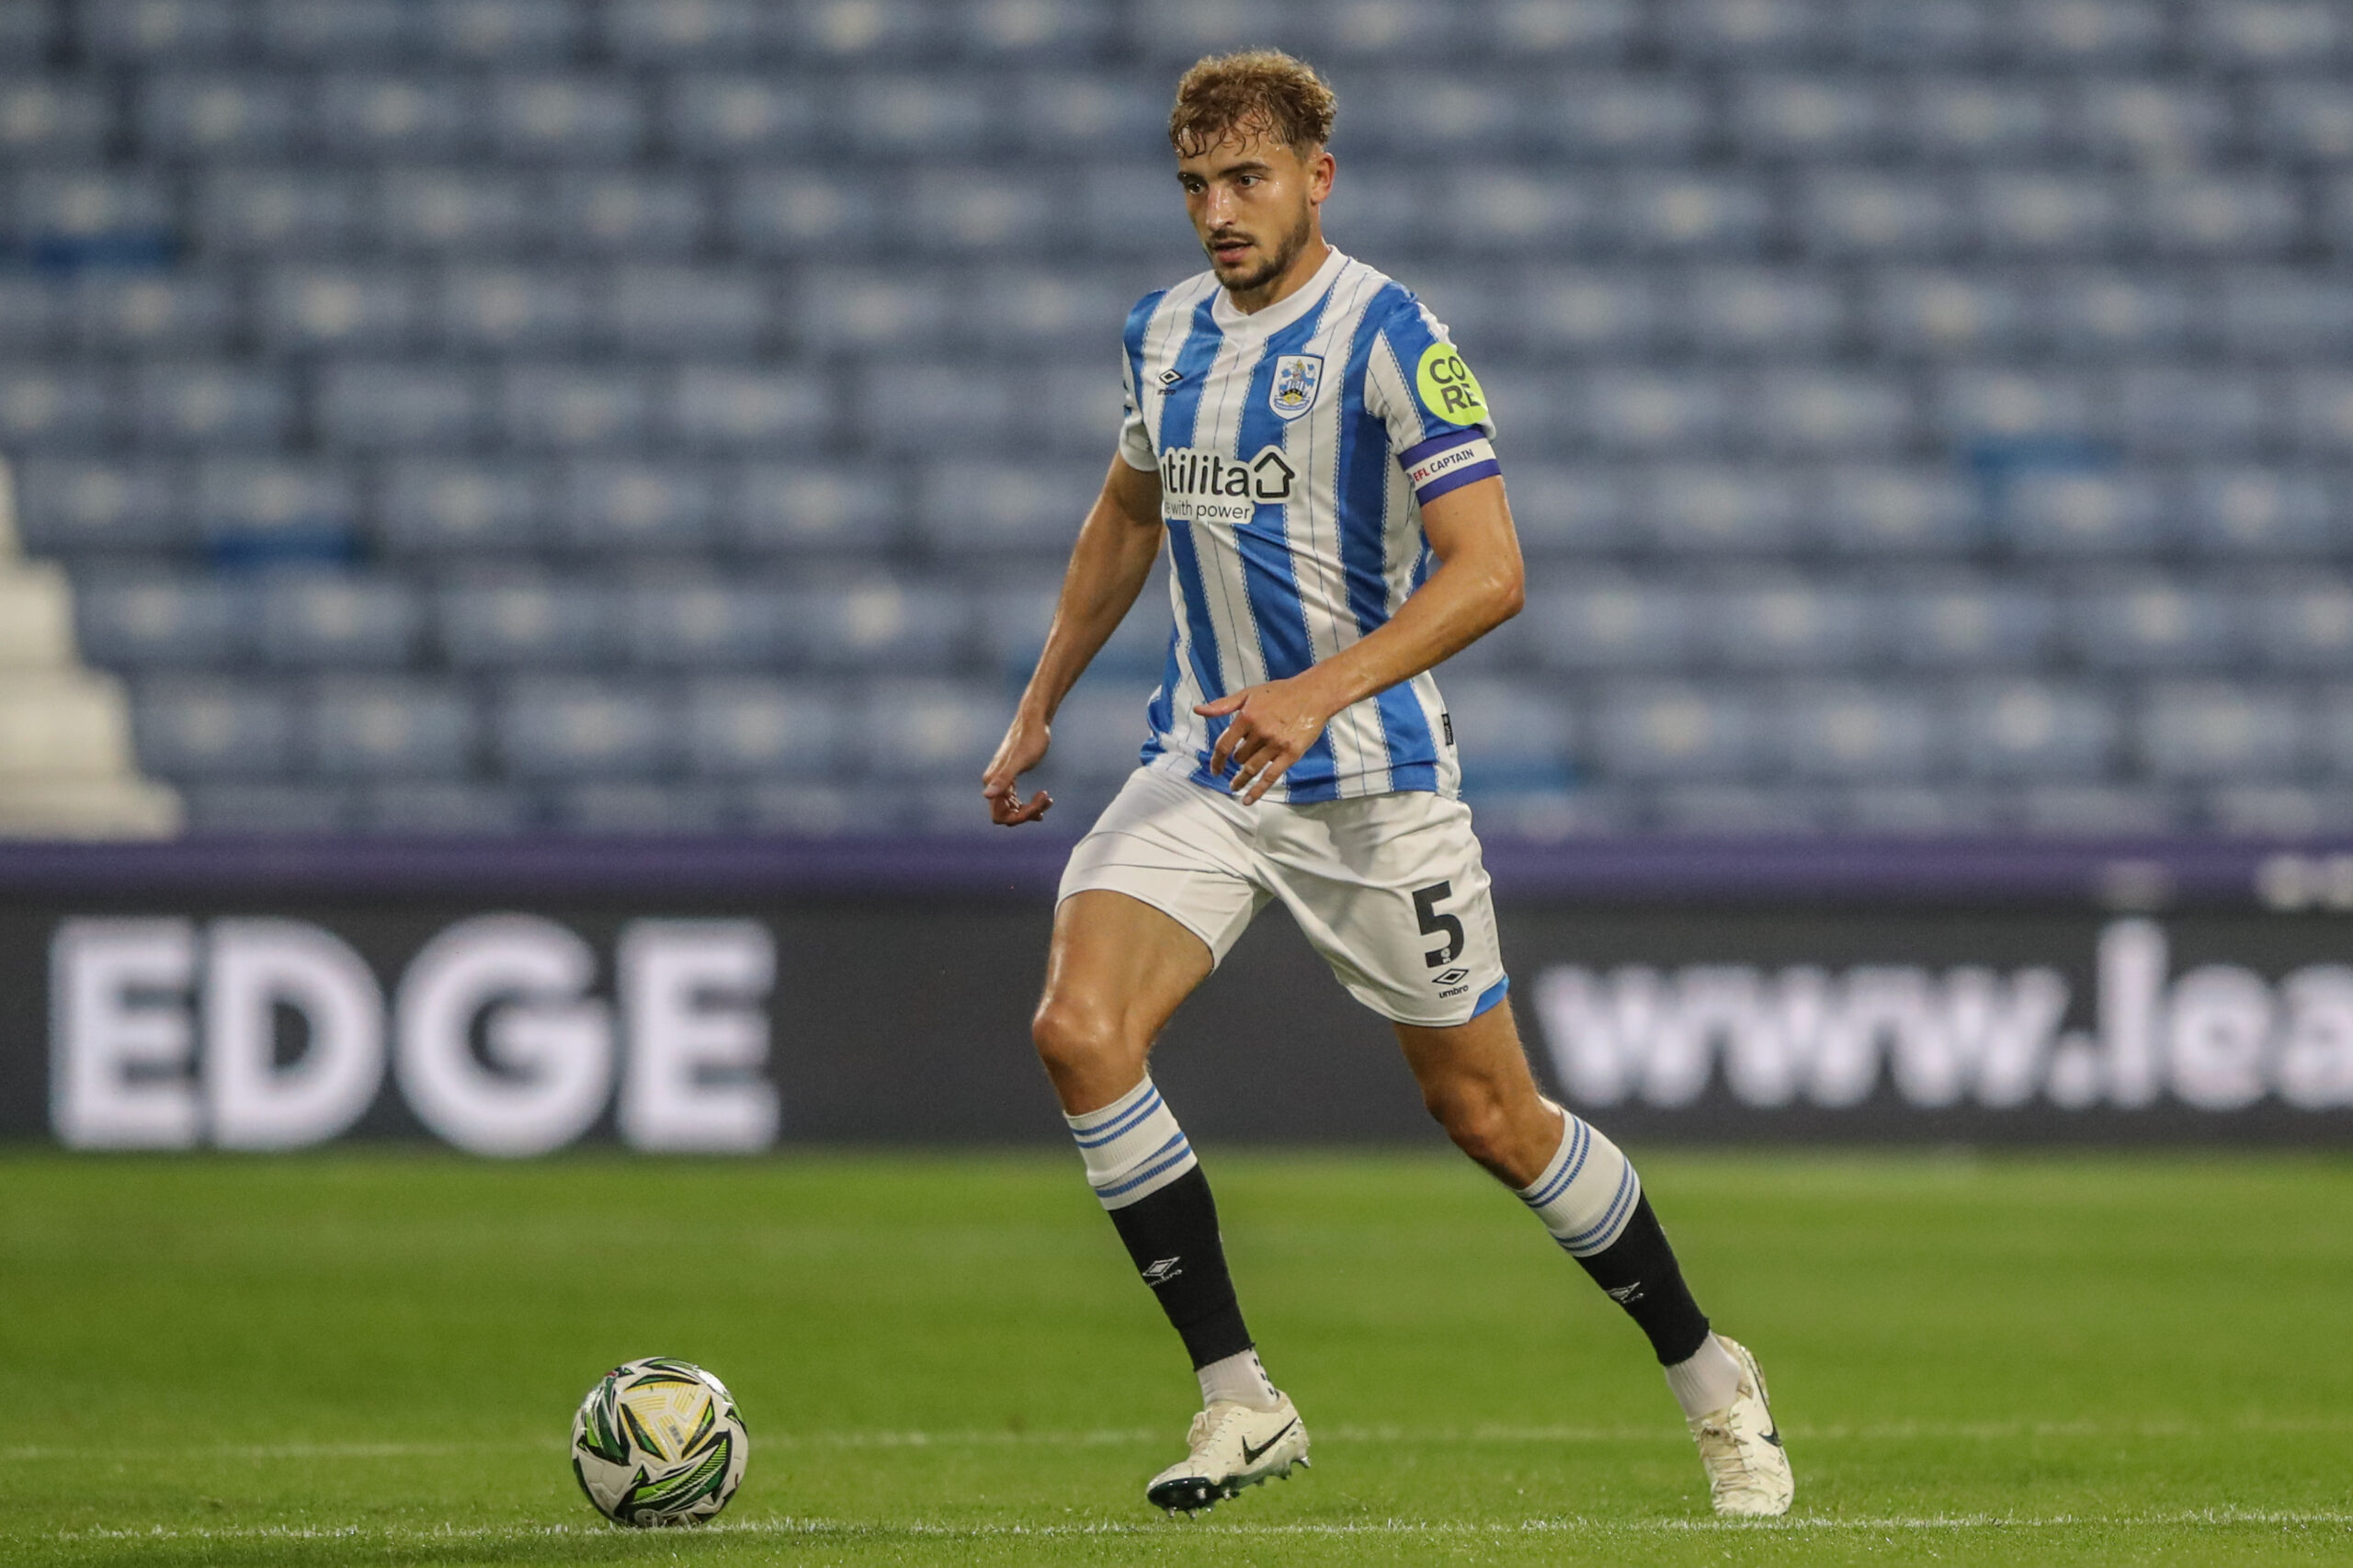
(1390, 889)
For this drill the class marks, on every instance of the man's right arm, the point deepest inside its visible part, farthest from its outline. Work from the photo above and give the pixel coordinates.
(1109, 567)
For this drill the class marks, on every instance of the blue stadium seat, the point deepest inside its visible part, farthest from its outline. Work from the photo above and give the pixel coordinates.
(1916, 33)
(282, 214)
(2083, 515)
(1586, 31)
(1507, 212)
(793, 212)
(1563, 509)
(1536, 407)
(505, 32)
(203, 727)
(1080, 315)
(430, 406)
(2262, 512)
(1511, 735)
(524, 624)
(214, 115)
(570, 118)
(1607, 622)
(2146, 122)
(1962, 623)
(1098, 735)
(314, 32)
(1912, 810)
(929, 116)
(559, 727)
(1790, 623)
(2303, 626)
(1970, 404)
(1611, 117)
(27, 32)
(273, 509)
(795, 507)
(1134, 211)
(703, 625)
(1379, 212)
(1738, 811)
(1089, 114)
(1376, 30)
(268, 809)
(2246, 214)
(2306, 117)
(363, 310)
(50, 120)
(173, 314)
(2176, 410)
(2047, 214)
(1675, 733)
(614, 508)
(1869, 509)
(739, 116)
(1829, 413)
(624, 809)
(433, 507)
(1850, 732)
(451, 212)
(145, 31)
(1946, 314)
(875, 623)
(762, 409)
(1583, 310)
(2263, 34)
(2098, 811)
(1745, 32)
(2029, 728)
(1650, 411)
(703, 313)
(2214, 731)
(934, 729)
(646, 213)
(800, 809)
(2147, 623)
(973, 508)
(1978, 120)
(208, 405)
(510, 309)
(2098, 311)
(1554, 817)
(55, 410)
(33, 315)
(575, 408)
(407, 118)
(2278, 811)
(667, 32)
(922, 406)
(2320, 412)
(740, 727)
(375, 728)
(1430, 114)
(2089, 32)
(838, 32)
(1744, 310)
(840, 312)
(1024, 31)
(1012, 614)
(1710, 509)
(77, 507)
(1774, 115)
(1859, 214)
(320, 620)
(1692, 213)
(150, 619)
(2281, 314)
(428, 808)
(1182, 34)
(67, 217)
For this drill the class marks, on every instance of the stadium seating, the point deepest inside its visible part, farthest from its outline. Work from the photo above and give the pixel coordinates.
(655, 416)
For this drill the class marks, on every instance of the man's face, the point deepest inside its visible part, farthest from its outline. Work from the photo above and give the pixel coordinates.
(1253, 201)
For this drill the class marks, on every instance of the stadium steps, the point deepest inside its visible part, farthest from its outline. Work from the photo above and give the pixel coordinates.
(66, 770)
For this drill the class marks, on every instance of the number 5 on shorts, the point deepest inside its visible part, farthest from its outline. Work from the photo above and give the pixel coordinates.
(1426, 902)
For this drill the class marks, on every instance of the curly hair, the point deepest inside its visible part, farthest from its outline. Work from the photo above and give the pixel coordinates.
(1257, 90)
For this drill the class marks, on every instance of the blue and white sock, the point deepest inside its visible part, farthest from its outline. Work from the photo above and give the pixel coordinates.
(1588, 1192)
(1133, 1147)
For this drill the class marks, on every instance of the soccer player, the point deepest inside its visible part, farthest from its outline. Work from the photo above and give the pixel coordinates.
(1318, 458)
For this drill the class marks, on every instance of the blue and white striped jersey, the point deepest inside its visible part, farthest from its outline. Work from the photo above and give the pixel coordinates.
(1295, 448)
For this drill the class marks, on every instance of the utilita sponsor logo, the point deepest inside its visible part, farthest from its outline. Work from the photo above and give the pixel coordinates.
(2220, 1037)
(1207, 487)
(165, 1034)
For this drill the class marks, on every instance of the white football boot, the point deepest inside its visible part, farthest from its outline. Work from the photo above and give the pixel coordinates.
(1748, 1471)
(1233, 1446)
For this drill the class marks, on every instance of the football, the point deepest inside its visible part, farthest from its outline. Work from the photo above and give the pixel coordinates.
(659, 1442)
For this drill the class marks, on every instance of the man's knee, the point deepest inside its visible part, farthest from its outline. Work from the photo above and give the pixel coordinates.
(1474, 1116)
(1073, 1036)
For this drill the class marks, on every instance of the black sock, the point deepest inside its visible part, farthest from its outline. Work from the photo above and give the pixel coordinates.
(1173, 1237)
(1640, 1274)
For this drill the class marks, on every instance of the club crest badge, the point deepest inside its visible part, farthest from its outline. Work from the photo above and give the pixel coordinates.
(1297, 377)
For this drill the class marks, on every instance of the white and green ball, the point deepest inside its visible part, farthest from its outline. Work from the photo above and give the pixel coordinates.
(659, 1442)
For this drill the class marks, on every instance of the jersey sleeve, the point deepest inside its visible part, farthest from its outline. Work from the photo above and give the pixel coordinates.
(1440, 426)
(1135, 440)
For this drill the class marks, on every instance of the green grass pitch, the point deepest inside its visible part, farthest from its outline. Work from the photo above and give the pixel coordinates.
(371, 1357)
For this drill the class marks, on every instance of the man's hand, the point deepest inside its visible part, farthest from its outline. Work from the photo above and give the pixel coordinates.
(1023, 748)
(1272, 727)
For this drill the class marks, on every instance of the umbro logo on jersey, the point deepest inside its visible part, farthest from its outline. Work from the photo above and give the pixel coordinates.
(1171, 376)
(1196, 485)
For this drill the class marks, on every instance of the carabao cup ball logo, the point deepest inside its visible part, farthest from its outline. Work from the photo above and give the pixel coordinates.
(1296, 377)
(1449, 389)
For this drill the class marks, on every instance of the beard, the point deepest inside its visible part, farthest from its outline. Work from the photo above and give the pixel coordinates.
(1277, 263)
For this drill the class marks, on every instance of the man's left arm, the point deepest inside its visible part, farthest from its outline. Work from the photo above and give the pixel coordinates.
(1479, 585)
